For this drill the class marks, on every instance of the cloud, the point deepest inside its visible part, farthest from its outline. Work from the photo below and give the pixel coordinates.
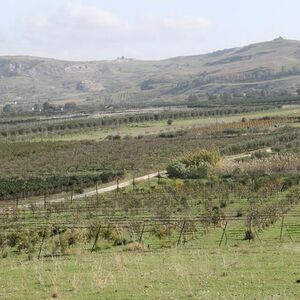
(74, 31)
(80, 31)
(93, 15)
(76, 18)
(187, 23)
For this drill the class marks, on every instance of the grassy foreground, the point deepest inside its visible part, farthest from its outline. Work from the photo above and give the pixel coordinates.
(253, 271)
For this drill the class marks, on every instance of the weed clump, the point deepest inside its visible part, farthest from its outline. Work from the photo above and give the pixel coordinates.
(249, 235)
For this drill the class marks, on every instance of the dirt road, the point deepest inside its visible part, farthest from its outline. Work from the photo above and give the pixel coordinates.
(130, 182)
(100, 190)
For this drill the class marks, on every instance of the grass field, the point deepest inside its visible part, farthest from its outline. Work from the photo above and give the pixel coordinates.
(196, 268)
(245, 272)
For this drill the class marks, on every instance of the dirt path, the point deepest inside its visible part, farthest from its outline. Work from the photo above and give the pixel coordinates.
(110, 188)
(247, 154)
(128, 183)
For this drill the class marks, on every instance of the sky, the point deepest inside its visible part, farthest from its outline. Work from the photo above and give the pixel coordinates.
(141, 29)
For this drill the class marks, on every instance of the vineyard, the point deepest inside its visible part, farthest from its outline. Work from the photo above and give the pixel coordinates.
(243, 211)
(229, 209)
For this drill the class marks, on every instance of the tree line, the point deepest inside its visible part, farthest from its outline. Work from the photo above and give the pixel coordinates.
(11, 188)
(38, 128)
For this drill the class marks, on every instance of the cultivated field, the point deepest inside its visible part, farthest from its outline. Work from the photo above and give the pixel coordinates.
(224, 223)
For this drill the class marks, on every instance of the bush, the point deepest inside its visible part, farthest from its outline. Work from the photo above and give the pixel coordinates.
(249, 235)
(4, 254)
(194, 166)
(78, 190)
(120, 242)
(202, 171)
(73, 237)
(113, 137)
(13, 239)
(136, 247)
(161, 231)
(177, 170)
(239, 213)
(260, 154)
(172, 134)
(139, 137)
(203, 156)
(223, 203)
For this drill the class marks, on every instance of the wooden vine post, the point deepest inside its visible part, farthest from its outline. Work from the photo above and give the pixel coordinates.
(181, 232)
(118, 184)
(42, 243)
(281, 228)
(141, 235)
(96, 239)
(223, 234)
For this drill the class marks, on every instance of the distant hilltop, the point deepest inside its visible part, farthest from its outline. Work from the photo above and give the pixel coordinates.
(267, 66)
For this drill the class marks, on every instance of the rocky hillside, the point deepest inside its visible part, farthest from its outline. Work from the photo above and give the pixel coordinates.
(267, 66)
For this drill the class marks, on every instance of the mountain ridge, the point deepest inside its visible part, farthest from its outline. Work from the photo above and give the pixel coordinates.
(271, 65)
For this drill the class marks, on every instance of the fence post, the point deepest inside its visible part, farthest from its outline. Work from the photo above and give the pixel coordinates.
(96, 239)
(224, 230)
(181, 232)
(42, 243)
(158, 178)
(72, 192)
(133, 182)
(250, 228)
(257, 235)
(45, 200)
(289, 234)
(60, 242)
(281, 228)
(118, 184)
(142, 232)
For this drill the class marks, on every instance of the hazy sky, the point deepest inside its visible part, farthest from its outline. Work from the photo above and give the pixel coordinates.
(147, 29)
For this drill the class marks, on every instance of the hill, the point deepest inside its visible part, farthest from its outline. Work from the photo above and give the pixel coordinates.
(267, 66)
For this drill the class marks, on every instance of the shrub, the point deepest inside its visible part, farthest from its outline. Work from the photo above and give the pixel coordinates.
(203, 156)
(161, 231)
(113, 137)
(223, 203)
(13, 239)
(239, 213)
(4, 254)
(172, 134)
(2, 240)
(261, 154)
(177, 170)
(195, 165)
(249, 235)
(136, 247)
(202, 171)
(79, 190)
(120, 242)
(74, 236)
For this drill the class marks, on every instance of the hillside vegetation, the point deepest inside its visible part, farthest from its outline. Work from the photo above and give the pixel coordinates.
(261, 68)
